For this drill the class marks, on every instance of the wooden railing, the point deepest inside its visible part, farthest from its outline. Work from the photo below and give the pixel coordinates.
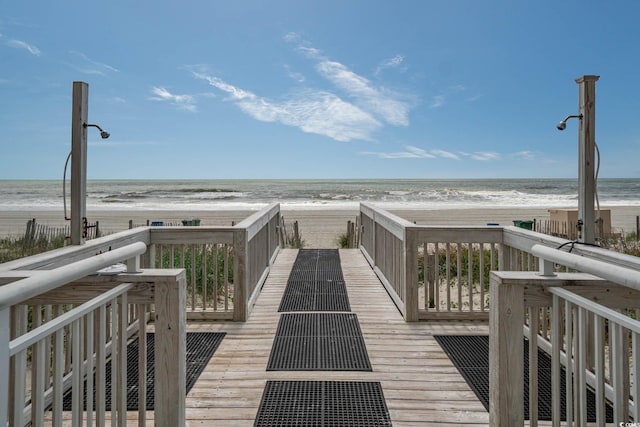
(60, 321)
(440, 273)
(432, 272)
(580, 308)
(591, 333)
(225, 266)
(61, 324)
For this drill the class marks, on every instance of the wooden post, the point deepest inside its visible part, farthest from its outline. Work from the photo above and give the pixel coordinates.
(410, 276)
(240, 276)
(506, 353)
(79, 116)
(586, 155)
(5, 339)
(170, 351)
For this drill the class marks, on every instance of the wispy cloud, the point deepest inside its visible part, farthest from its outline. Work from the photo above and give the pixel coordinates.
(354, 108)
(19, 44)
(311, 111)
(524, 155)
(483, 155)
(395, 62)
(413, 152)
(298, 77)
(380, 102)
(437, 101)
(89, 66)
(117, 100)
(445, 154)
(183, 102)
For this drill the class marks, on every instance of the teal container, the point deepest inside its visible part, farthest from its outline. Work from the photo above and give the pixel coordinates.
(191, 222)
(526, 224)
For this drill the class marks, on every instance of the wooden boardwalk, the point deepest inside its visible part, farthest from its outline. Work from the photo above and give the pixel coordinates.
(420, 384)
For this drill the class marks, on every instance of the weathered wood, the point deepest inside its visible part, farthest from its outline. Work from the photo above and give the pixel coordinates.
(506, 358)
(170, 352)
(421, 385)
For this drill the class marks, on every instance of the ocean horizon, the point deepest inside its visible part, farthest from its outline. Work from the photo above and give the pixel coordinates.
(252, 194)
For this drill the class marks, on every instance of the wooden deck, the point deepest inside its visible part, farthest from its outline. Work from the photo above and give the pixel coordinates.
(420, 384)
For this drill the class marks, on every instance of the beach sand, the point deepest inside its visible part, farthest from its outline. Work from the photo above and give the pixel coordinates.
(319, 228)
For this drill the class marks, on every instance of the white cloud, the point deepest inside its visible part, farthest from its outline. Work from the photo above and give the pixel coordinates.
(117, 100)
(355, 110)
(298, 77)
(483, 155)
(311, 111)
(183, 102)
(412, 152)
(395, 62)
(19, 44)
(370, 98)
(437, 101)
(524, 155)
(445, 154)
(95, 67)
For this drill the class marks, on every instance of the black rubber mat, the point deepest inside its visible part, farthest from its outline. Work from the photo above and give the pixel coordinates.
(470, 355)
(318, 342)
(322, 403)
(316, 283)
(200, 347)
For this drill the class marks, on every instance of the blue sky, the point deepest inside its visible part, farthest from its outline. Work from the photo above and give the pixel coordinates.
(318, 89)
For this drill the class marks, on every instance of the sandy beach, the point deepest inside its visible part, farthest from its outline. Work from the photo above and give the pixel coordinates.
(319, 228)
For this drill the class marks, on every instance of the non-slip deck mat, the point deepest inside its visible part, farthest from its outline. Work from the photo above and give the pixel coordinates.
(470, 355)
(316, 283)
(318, 342)
(200, 348)
(322, 403)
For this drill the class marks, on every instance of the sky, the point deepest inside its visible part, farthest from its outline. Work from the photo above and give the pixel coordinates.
(318, 89)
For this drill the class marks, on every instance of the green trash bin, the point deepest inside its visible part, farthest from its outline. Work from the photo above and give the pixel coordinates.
(526, 224)
(191, 222)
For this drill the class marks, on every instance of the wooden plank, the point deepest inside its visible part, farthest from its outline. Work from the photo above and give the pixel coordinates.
(170, 349)
(421, 385)
(506, 358)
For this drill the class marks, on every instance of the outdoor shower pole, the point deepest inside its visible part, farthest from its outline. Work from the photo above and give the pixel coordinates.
(586, 156)
(79, 115)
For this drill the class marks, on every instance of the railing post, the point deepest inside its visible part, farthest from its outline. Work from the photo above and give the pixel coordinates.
(5, 338)
(170, 351)
(506, 353)
(410, 275)
(240, 276)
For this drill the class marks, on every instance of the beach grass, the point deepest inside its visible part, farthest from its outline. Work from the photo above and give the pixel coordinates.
(18, 247)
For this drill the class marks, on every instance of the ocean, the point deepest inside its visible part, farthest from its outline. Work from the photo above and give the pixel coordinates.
(316, 193)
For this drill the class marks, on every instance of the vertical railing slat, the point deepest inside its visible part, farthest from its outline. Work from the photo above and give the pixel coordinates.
(581, 366)
(533, 365)
(122, 363)
(618, 353)
(17, 367)
(205, 253)
(142, 365)
(635, 357)
(556, 337)
(101, 342)
(58, 372)
(470, 275)
(76, 360)
(568, 313)
(599, 389)
(89, 369)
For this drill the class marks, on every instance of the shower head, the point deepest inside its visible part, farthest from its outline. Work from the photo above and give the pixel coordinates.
(563, 124)
(104, 134)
